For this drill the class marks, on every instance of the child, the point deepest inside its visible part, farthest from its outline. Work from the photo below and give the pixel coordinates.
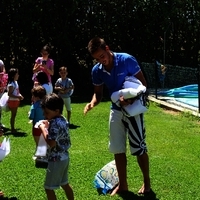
(14, 96)
(43, 80)
(58, 140)
(3, 84)
(44, 64)
(65, 87)
(36, 112)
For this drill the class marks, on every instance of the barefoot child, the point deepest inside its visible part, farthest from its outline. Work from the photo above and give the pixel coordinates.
(36, 112)
(14, 96)
(65, 87)
(56, 133)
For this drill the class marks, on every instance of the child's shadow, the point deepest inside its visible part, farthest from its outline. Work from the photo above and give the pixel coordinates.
(7, 198)
(73, 126)
(8, 132)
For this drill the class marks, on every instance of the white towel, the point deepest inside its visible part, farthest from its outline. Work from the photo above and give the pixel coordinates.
(132, 88)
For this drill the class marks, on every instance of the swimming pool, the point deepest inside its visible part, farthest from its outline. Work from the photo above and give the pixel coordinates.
(187, 94)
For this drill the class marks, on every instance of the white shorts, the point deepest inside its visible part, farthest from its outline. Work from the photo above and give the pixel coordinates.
(119, 126)
(67, 103)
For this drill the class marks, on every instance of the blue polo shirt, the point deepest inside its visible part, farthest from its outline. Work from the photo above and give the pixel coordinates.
(124, 65)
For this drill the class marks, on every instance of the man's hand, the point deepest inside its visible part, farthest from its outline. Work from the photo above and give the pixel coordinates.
(126, 102)
(88, 107)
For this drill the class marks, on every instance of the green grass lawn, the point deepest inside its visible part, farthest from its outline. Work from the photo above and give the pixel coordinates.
(173, 142)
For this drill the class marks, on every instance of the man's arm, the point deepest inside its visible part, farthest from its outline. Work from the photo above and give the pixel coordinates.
(140, 76)
(96, 99)
(125, 102)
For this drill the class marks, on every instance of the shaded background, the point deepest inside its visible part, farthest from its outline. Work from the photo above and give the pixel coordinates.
(167, 31)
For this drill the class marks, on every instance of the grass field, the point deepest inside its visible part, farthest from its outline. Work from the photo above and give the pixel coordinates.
(173, 141)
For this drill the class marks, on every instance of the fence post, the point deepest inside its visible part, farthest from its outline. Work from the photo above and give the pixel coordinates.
(198, 79)
(156, 81)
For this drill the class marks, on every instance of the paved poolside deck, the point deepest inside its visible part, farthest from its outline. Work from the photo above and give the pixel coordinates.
(172, 104)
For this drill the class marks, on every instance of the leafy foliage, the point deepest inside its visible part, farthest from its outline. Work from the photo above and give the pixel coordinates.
(138, 27)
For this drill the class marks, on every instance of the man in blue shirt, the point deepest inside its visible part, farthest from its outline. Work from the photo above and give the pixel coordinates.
(111, 70)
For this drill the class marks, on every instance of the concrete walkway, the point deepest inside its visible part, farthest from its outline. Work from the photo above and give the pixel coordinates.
(174, 105)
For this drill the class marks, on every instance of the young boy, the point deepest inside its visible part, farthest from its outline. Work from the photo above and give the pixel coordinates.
(65, 87)
(56, 133)
(36, 112)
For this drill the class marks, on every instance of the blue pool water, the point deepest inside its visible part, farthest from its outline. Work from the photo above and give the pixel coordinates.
(189, 101)
(187, 94)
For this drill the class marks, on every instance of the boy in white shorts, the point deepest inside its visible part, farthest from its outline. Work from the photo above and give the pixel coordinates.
(65, 88)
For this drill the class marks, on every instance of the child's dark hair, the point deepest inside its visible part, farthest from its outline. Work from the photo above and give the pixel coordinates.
(63, 68)
(11, 74)
(96, 43)
(39, 92)
(53, 102)
(42, 78)
(46, 48)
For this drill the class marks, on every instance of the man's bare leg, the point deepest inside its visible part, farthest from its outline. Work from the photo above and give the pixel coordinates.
(143, 161)
(121, 163)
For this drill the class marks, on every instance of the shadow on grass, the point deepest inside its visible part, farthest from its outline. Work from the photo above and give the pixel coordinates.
(73, 126)
(7, 198)
(8, 132)
(128, 195)
(132, 196)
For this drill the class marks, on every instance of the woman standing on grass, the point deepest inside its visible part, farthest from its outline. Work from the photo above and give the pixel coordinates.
(45, 64)
(14, 96)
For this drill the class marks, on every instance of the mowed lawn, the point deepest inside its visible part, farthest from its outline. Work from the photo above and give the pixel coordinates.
(173, 141)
